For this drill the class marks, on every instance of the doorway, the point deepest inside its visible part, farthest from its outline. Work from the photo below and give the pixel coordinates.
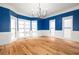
(52, 27)
(67, 26)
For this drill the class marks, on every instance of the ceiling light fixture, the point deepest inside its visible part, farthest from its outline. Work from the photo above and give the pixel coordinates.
(41, 13)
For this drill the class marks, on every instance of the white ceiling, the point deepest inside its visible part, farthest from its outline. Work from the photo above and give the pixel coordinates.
(26, 8)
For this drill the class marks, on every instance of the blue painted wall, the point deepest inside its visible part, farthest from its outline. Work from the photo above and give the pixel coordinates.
(58, 23)
(4, 20)
(76, 21)
(43, 24)
(59, 17)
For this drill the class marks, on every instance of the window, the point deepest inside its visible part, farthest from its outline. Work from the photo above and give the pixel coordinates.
(24, 28)
(52, 27)
(27, 28)
(34, 28)
(13, 28)
(21, 27)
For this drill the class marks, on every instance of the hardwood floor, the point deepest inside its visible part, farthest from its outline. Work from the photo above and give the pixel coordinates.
(41, 46)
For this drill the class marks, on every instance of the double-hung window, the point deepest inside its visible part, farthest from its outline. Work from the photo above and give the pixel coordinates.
(13, 28)
(34, 28)
(27, 28)
(21, 27)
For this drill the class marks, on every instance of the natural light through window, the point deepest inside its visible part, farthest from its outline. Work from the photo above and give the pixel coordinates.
(21, 26)
(27, 28)
(34, 28)
(13, 28)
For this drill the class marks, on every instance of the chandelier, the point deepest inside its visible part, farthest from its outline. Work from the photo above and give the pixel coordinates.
(40, 13)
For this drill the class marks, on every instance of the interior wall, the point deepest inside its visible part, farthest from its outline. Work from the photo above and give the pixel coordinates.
(43, 32)
(43, 26)
(4, 20)
(4, 26)
(5, 37)
(75, 36)
(59, 34)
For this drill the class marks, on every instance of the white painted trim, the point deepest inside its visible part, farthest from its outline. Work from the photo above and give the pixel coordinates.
(5, 38)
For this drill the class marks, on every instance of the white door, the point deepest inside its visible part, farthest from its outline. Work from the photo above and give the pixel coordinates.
(52, 27)
(67, 26)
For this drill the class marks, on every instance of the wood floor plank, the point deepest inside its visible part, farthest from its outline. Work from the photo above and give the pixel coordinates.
(40, 46)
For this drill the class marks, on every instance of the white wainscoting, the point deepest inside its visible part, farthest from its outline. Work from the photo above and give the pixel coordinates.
(5, 38)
